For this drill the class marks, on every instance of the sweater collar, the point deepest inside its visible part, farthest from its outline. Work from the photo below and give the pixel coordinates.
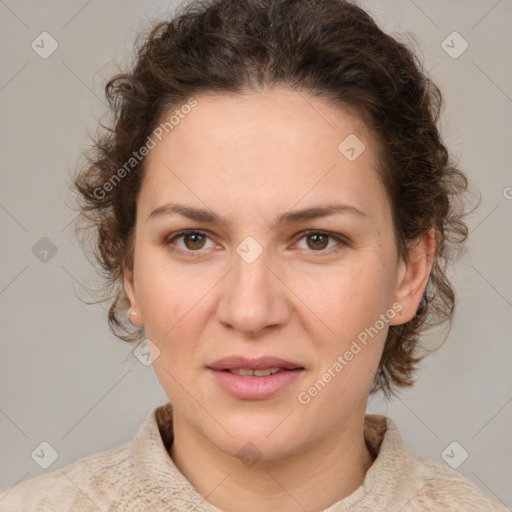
(163, 483)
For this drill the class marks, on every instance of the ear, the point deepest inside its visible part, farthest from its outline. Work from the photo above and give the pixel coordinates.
(135, 317)
(413, 276)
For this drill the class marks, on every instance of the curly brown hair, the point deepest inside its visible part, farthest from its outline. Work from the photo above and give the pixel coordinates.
(331, 49)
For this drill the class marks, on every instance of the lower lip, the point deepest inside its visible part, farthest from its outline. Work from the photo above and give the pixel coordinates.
(255, 388)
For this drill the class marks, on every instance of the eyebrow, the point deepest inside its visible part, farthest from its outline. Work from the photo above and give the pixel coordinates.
(291, 217)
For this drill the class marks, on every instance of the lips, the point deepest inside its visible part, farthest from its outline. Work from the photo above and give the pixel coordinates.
(262, 363)
(255, 379)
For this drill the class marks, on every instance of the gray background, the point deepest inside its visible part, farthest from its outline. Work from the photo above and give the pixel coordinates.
(66, 380)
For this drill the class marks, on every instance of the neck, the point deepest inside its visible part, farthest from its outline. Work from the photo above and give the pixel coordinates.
(315, 477)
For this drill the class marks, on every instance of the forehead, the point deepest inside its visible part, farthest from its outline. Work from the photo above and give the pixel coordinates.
(261, 149)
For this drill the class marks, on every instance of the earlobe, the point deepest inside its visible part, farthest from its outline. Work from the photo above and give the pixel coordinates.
(414, 275)
(133, 314)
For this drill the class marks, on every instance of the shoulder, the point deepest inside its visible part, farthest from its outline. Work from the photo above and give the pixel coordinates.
(443, 488)
(91, 483)
(401, 479)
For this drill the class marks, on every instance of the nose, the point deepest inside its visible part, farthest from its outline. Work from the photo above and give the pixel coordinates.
(254, 297)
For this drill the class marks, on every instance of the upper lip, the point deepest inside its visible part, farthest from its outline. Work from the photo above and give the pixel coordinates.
(261, 363)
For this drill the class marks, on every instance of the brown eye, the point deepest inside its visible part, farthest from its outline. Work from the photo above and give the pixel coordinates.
(188, 242)
(193, 240)
(322, 243)
(319, 241)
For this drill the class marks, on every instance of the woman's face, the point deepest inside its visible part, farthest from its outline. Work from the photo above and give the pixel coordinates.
(250, 288)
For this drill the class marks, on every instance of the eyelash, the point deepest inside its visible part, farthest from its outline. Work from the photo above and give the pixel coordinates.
(168, 242)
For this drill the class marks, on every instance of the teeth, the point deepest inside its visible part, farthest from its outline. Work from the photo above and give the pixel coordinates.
(264, 373)
(245, 372)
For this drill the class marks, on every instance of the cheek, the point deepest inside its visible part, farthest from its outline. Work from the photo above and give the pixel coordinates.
(173, 320)
(164, 291)
(348, 302)
(347, 299)
(173, 306)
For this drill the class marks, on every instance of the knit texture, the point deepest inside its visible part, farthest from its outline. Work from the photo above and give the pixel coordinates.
(141, 476)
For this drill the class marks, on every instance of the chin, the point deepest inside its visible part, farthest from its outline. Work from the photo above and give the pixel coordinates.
(257, 436)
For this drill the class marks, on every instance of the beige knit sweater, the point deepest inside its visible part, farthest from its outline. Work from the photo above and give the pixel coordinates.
(141, 476)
